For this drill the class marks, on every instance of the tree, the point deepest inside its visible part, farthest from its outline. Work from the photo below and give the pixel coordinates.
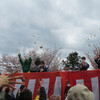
(51, 57)
(10, 63)
(72, 60)
(91, 58)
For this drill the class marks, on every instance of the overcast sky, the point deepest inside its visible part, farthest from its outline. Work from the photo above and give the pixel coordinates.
(68, 24)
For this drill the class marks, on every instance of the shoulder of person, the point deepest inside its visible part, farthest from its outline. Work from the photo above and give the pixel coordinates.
(46, 66)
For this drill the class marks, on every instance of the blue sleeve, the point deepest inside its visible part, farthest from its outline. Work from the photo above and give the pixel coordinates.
(79, 65)
(87, 65)
(45, 69)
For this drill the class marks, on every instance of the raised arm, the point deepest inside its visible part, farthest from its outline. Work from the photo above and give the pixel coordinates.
(30, 60)
(6, 80)
(21, 60)
(42, 91)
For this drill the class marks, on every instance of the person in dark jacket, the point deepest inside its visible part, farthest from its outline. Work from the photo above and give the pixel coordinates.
(22, 87)
(97, 60)
(26, 94)
(43, 67)
(9, 94)
(84, 65)
(41, 92)
(37, 64)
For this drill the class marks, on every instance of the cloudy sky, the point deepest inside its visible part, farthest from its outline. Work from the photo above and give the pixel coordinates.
(68, 24)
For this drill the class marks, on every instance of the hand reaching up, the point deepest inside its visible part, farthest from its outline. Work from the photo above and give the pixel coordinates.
(41, 83)
(6, 80)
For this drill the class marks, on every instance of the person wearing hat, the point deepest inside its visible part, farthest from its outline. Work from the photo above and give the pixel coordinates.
(79, 92)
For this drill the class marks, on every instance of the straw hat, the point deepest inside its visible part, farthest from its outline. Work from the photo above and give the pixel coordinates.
(79, 92)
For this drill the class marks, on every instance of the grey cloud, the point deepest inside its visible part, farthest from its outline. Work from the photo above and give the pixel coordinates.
(67, 24)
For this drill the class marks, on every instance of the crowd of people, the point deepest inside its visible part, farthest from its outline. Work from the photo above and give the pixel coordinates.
(41, 67)
(84, 65)
(26, 65)
(6, 89)
(77, 92)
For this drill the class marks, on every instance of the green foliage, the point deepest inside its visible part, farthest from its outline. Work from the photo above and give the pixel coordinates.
(72, 60)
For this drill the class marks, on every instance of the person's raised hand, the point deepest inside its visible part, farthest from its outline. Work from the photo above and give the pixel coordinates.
(41, 83)
(19, 55)
(6, 80)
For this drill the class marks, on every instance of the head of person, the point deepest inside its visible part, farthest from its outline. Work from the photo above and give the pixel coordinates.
(52, 97)
(37, 61)
(42, 63)
(26, 94)
(58, 97)
(26, 61)
(38, 91)
(66, 67)
(83, 58)
(7, 90)
(79, 92)
(99, 57)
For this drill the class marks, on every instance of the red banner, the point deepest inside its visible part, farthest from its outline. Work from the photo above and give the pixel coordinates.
(55, 82)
